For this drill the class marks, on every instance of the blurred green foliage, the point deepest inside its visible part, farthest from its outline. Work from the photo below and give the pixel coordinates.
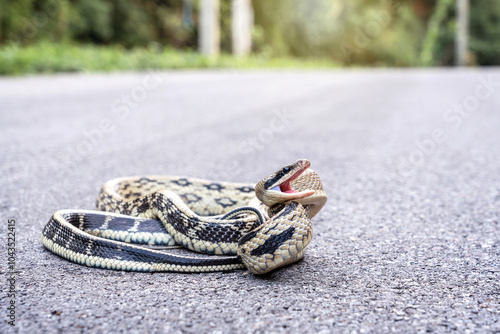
(46, 57)
(434, 32)
(485, 22)
(484, 39)
(362, 32)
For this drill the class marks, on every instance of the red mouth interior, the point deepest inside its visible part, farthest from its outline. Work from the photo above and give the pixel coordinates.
(285, 187)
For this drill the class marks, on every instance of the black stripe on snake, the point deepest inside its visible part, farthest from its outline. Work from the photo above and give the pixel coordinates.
(261, 227)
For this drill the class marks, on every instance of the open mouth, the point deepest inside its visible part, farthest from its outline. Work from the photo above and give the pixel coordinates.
(286, 187)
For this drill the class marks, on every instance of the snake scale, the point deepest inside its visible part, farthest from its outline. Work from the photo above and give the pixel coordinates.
(261, 227)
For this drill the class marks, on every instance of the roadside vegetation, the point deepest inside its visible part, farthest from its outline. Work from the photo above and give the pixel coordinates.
(52, 58)
(46, 36)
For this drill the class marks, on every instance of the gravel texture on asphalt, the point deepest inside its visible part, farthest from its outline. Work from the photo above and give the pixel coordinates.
(409, 240)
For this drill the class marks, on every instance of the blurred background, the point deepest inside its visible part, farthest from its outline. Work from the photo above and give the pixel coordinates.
(409, 240)
(101, 35)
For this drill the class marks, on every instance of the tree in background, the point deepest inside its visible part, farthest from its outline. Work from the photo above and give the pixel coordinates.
(99, 29)
(484, 39)
(485, 32)
(363, 32)
(351, 32)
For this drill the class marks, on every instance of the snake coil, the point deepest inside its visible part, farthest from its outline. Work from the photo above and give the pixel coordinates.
(261, 227)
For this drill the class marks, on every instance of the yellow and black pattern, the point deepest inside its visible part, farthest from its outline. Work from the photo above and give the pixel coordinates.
(210, 235)
(63, 235)
(123, 228)
(219, 218)
(203, 197)
(278, 243)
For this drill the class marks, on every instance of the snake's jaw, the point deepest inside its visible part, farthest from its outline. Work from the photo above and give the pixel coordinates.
(277, 187)
(277, 197)
(298, 194)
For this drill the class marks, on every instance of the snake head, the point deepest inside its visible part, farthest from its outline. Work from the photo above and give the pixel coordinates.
(277, 187)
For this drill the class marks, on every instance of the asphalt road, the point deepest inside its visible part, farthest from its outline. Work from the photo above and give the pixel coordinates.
(409, 240)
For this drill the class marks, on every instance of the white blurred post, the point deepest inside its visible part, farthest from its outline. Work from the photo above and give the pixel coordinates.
(242, 25)
(462, 32)
(209, 29)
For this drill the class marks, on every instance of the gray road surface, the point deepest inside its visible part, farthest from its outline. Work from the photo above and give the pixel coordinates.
(409, 240)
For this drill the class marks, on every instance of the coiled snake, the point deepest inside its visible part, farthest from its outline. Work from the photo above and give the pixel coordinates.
(261, 227)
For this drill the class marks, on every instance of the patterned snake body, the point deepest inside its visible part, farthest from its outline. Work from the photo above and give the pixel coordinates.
(264, 226)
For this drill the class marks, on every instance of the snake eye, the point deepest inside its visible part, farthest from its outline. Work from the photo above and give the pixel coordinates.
(286, 169)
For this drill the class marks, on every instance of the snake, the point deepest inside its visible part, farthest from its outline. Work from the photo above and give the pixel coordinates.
(141, 221)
